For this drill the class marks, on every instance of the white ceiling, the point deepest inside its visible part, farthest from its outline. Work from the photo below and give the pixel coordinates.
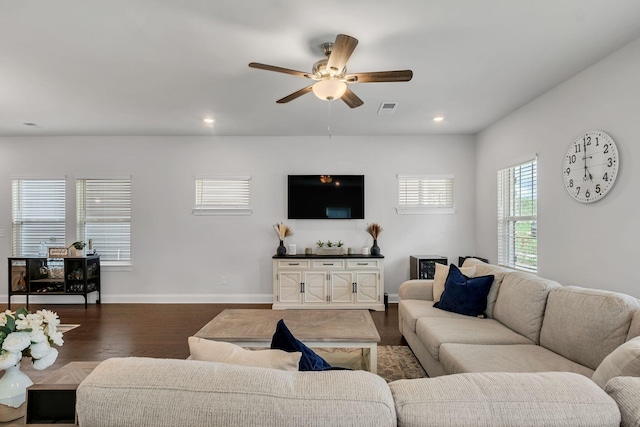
(157, 67)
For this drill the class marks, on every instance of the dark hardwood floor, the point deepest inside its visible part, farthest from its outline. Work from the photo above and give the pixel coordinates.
(155, 330)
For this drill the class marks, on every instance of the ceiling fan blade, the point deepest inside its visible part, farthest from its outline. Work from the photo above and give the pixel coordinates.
(279, 69)
(295, 95)
(342, 50)
(351, 99)
(380, 76)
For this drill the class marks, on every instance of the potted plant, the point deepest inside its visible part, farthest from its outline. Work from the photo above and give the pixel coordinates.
(330, 248)
(77, 248)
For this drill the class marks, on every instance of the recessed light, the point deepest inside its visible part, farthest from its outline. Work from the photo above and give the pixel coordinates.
(438, 119)
(208, 120)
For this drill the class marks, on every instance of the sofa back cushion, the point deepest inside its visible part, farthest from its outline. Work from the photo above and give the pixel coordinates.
(521, 303)
(623, 362)
(149, 392)
(634, 330)
(504, 399)
(484, 269)
(585, 325)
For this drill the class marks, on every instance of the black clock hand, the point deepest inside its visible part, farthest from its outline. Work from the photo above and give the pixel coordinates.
(584, 146)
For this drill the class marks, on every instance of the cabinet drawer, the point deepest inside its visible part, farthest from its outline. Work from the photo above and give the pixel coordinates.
(328, 264)
(291, 264)
(361, 263)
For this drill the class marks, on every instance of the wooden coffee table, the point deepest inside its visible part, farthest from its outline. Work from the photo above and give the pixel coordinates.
(315, 328)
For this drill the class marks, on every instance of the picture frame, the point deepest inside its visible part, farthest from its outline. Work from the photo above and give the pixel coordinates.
(58, 252)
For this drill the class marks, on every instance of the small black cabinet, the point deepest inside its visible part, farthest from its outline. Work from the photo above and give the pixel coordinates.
(424, 266)
(54, 276)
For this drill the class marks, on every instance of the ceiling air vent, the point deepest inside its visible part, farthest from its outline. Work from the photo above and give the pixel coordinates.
(387, 108)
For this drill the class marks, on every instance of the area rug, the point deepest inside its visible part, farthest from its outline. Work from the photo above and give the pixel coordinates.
(66, 327)
(395, 362)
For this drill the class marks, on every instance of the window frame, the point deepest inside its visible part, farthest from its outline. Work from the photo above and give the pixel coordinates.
(17, 229)
(513, 214)
(123, 216)
(238, 203)
(426, 184)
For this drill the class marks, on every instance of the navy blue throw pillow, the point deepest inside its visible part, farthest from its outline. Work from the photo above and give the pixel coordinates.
(283, 339)
(465, 295)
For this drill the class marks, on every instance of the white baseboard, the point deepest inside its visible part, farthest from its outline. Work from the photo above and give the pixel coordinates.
(18, 301)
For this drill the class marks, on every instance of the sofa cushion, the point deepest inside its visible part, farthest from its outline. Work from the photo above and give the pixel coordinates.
(465, 295)
(634, 329)
(623, 362)
(503, 399)
(585, 325)
(168, 392)
(484, 269)
(225, 352)
(283, 339)
(410, 310)
(521, 303)
(461, 358)
(440, 278)
(626, 392)
(435, 331)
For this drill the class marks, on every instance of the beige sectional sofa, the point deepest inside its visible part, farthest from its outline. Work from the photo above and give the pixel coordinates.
(146, 392)
(529, 363)
(533, 325)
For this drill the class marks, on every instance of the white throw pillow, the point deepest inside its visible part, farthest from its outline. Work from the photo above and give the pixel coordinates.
(439, 279)
(225, 352)
(624, 361)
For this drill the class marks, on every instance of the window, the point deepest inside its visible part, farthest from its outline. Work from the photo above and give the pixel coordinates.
(38, 214)
(422, 194)
(104, 216)
(223, 196)
(517, 216)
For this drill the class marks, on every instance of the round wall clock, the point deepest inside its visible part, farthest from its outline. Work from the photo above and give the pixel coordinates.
(590, 166)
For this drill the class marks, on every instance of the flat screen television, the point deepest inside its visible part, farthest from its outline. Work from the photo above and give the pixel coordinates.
(326, 197)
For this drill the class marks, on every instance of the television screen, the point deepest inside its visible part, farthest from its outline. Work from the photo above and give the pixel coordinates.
(326, 197)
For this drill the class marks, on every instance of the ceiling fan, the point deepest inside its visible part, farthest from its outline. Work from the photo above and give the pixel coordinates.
(330, 74)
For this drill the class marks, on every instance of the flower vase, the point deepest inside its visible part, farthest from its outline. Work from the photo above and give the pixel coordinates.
(281, 249)
(13, 393)
(375, 249)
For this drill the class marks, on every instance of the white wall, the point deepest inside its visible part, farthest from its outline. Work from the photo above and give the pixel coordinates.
(178, 257)
(594, 245)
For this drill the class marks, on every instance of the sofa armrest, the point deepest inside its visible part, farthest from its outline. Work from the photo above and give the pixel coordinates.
(626, 392)
(416, 289)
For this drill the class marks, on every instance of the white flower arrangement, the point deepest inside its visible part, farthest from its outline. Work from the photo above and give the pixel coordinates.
(31, 335)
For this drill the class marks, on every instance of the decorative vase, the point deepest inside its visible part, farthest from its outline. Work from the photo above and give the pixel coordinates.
(13, 393)
(375, 249)
(281, 249)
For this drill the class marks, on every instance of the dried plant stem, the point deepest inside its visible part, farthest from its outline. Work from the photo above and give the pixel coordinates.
(374, 230)
(282, 230)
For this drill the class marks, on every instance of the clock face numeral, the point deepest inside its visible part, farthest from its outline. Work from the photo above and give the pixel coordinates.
(590, 166)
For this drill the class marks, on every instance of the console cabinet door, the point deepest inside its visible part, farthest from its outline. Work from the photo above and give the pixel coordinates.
(315, 287)
(367, 286)
(341, 284)
(289, 287)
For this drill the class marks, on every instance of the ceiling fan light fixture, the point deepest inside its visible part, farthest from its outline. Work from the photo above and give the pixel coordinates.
(329, 89)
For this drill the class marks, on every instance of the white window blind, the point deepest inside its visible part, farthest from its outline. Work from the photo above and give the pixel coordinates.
(223, 196)
(38, 214)
(104, 216)
(517, 216)
(421, 194)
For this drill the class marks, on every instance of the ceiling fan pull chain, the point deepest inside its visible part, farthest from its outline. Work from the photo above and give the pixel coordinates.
(329, 125)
